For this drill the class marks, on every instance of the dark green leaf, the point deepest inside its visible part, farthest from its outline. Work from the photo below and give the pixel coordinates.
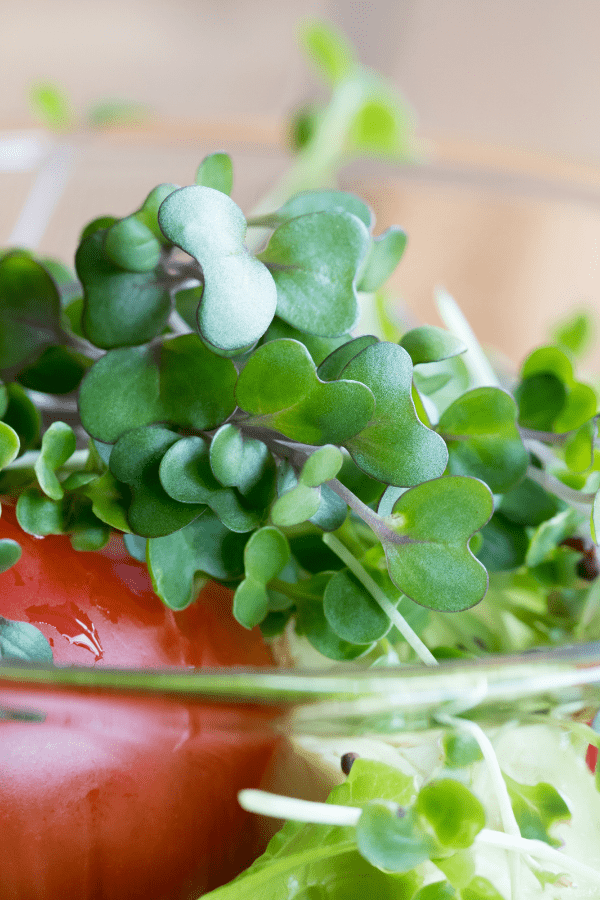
(311, 622)
(429, 559)
(135, 243)
(205, 547)
(237, 460)
(529, 504)
(20, 640)
(428, 344)
(240, 296)
(29, 310)
(135, 460)
(318, 347)
(280, 389)
(483, 439)
(216, 171)
(57, 370)
(38, 515)
(384, 255)
(504, 544)
(395, 447)
(121, 309)
(453, 811)
(110, 500)
(182, 383)
(332, 511)
(186, 476)
(352, 612)
(331, 368)
(314, 260)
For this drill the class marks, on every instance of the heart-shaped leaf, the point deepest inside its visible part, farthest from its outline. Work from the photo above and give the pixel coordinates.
(537, 807)
(135, 243)
(395, 447)
(57, 370)
(181, 382)
(29, 310)
(279, 387)
(483, 440)
(58, 445)
(429, 558)
(385, 252)
(121, 308)
(186, 476)
(579, 447)
(311, 622)
(331, 368)
(314, 260)
(265, 555)
(205, 547)
(318, 347)
(352, 612)
(428, 343)
(237, 460)
(135, 461)
(240, 296)
(322, 465)
(300, 502)
(453, 811)
(216, 171)
(318, 201)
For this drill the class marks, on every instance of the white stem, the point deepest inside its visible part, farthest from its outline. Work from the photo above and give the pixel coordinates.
(475, 359)
(280, 807)
(423, 652)
(43, 197)
(539, 850)
(507, 815)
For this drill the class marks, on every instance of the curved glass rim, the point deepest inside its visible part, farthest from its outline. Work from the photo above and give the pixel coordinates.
(496, 689)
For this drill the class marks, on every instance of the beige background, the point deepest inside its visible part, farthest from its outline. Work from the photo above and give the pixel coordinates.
(505, 213)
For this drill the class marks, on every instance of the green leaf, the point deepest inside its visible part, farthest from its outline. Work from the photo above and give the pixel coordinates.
(382, 125)
(110, 500)
(29, 310)
(395, 447)
(300, 503)
(549, 397)
(332, 511)
(429, 559)
(579, 448)
(332, 367)
(295, 506)
(57, 370)
(439, 890)
(39, 515)
(453, 811)
(111, 112)
(461, 749)
(483, 440)
(385, 252)
(537, 807)
(186, 476)
(216, 171)
(329, 50)
(204, 548)
(135, 243)
(10, 554)
(240, 296)
(540, 398)
(181, 382)
(351, 611)
(51, 105)
(391, 839)
(529, 504)
(9, 444)
(504, 545)
(314, 260)
(121, 308)
(58, 445)
(580, 406)
(280, 389)
(481, 889)
(319, 201)
(239, 461)
(318, 347)
(574, 334)
(265, 555)
(549, 534)
(135, 460)
(311, 622)
(322, 465)
(20, 640)
(428, 343)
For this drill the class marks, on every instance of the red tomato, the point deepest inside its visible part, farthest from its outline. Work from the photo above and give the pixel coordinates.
(114, 798)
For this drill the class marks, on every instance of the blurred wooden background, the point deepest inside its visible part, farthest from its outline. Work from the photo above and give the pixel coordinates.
(505, 213)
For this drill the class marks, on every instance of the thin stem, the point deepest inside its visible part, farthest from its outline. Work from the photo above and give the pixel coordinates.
(375, 522)
(28, 460)
(380, 597)
(538, 850)
(278, 806)
(580, 499)
(507, 815)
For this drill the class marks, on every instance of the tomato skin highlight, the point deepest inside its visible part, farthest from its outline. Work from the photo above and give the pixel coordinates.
(119, 797)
